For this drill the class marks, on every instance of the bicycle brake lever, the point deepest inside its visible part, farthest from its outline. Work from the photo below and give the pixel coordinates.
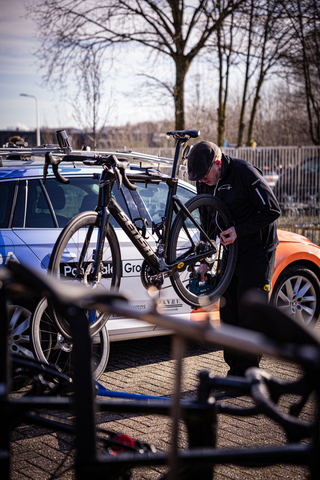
(45, 171)
(117, 175)
(50, 160)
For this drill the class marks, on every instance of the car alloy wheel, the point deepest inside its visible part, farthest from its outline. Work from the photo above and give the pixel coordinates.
(297, 294)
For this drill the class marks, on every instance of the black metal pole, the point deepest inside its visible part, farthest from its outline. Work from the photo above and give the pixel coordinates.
(4, 387)
(84, 392)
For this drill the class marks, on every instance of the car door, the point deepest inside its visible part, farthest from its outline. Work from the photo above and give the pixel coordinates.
(41, 212)
(147, 202)
(9, 243)
(34, 224)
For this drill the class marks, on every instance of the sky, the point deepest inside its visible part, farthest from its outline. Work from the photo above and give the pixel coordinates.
(19, 73)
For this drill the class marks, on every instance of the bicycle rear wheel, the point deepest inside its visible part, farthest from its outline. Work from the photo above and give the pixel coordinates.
(186, 241)
(50, 346)
(64, 263)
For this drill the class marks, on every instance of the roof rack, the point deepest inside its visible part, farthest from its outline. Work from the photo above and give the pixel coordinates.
(11, 152)
(63, 147)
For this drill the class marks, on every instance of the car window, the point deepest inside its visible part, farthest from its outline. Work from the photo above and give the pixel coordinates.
(185, 194)
(70, 199)
(82, 194)
(6, 197)
(38, 214)
(19, 212)
(311, 165)
(67, 200)
(154, 198)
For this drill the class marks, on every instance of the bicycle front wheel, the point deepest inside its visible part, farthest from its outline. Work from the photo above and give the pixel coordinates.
(186, 241)
(79, 238)
(50, 346)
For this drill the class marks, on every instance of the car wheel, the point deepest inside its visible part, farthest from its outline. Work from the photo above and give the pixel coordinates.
(297, 294)
(50, 346)
(20, 311)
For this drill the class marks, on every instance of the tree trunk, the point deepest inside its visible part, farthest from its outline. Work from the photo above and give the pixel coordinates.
(222, 93)
(178, 93)
(246, 81)
(250, 141)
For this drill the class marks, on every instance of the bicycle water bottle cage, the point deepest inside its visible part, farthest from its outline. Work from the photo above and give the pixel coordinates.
(142, 230)
(197, 287)
(158, 229)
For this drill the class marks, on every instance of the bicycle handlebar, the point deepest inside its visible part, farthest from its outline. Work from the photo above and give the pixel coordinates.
(265, 391)
(263, 384)
(111, 161)
(54, 162)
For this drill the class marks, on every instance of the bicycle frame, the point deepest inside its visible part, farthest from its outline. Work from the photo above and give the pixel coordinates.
(107, 205)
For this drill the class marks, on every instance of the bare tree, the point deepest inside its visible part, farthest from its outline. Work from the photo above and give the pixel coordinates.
(303, 58)
(248, 45)
(273, 39)
(173, 28)
(225, 36)
(90, 106)
(247, 74)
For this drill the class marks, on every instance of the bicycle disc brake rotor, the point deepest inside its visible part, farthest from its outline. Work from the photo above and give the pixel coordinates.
(202, 247)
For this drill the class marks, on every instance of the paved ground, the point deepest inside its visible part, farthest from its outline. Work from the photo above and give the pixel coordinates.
(145, 367)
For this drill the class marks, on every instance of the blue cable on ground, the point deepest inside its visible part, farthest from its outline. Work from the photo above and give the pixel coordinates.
(103, 392)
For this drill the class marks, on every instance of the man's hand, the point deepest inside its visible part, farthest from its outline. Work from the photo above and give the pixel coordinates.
(228, 236)
(203, 269)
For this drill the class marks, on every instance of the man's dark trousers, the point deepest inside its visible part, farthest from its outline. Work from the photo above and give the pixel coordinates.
(250, 275)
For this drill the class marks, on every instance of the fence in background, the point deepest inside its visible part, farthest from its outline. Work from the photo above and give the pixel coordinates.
(293, 173)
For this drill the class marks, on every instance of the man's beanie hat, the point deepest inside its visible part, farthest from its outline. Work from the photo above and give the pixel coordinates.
(201, 157)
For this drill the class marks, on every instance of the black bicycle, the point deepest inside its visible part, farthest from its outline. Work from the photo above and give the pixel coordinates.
(87, 250)
(280, 336)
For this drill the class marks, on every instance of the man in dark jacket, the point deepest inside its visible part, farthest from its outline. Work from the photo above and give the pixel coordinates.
(254, 210)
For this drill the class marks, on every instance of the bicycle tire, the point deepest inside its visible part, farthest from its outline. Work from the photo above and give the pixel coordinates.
(64, 259)
(49, 346)
(182, 245)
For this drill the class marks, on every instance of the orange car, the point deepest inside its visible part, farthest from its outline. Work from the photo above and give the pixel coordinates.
(296, 279)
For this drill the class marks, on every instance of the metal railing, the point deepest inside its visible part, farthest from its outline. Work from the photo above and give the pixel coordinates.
(294, 175)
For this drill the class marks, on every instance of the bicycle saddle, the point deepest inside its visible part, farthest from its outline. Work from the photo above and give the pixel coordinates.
(184, 133)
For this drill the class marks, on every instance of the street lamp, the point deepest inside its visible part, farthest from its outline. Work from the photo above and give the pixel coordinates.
(37, 114)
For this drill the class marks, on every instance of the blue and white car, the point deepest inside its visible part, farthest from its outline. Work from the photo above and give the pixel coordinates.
(32, 215)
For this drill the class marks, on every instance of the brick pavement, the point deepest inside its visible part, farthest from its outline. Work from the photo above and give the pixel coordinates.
(145, 367)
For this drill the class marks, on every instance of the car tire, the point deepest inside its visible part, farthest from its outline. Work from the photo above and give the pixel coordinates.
(20, 310)
(297, 294)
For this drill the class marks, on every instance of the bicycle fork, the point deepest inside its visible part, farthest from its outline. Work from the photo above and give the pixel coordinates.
(93, 271)
(97, 256)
